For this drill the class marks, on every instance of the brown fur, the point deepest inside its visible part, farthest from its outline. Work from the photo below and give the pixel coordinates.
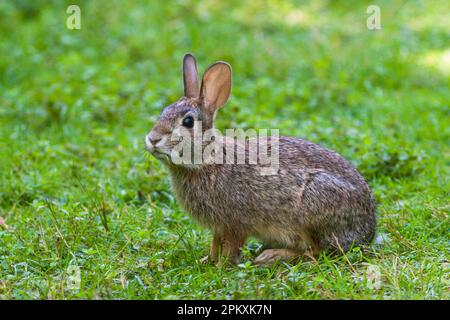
(317, 201)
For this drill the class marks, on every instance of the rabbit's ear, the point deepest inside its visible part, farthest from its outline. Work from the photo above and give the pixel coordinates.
(216, 86)
(190, 78)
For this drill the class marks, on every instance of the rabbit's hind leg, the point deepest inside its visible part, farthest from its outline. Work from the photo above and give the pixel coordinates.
(288, 247)
(270, 256)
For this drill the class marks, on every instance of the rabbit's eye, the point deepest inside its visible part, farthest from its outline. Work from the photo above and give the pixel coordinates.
(188, 122)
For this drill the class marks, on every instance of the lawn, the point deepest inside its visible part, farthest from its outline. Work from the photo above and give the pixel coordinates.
(87, 213)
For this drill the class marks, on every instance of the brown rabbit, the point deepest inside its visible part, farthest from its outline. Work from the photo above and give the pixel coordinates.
(315, 202)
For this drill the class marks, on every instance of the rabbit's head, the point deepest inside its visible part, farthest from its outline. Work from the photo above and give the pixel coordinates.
(196, 109)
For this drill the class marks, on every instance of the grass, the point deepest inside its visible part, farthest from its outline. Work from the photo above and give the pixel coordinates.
(77, 191)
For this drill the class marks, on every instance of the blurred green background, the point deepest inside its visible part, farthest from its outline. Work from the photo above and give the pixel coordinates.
(78, 192)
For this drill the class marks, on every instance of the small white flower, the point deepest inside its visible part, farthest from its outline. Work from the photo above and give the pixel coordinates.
(373, 277)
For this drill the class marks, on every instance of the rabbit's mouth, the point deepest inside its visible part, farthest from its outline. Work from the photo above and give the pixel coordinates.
(158, 154)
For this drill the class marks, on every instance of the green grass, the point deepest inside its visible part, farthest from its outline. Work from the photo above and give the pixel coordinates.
(77, 189)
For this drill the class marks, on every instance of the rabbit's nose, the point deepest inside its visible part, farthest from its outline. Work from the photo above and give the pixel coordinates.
(153, 140)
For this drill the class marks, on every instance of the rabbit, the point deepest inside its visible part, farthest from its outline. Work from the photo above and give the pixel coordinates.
(317, 201)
